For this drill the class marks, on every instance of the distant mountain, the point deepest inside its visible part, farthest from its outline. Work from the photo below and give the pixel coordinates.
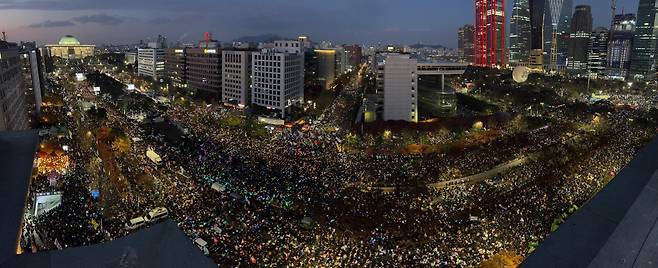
(263, 38)
(419, 45)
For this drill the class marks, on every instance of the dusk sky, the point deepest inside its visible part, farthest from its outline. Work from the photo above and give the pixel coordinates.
(340, 21)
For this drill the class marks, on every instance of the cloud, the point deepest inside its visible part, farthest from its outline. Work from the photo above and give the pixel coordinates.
(102, 19)
(160, 20)
(52, 24)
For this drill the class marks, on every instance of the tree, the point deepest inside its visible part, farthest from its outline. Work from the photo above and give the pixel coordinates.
(503, 259)
(121, 145)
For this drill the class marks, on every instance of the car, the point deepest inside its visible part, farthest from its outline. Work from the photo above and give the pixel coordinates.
(156, 214)
(135, 223)
(202, 245)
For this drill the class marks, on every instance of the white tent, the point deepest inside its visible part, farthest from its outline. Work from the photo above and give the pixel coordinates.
(218, 187)
(153, 156)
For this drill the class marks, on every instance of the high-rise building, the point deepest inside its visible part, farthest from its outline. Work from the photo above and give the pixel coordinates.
(520, 33)
(33, 68)
(342, 60)
(465, 44)
(236, 77)
(278, 77)
(354, 55)
(537, 22)
(490, 33)
(151, 61)
(621, 45)
(204, 69)
(645, 42)
(563, 34)
(326, 67)
(581, 30)
(598, 52)
(176, 67)
(13, 112)
(399, 86)
(557, 19)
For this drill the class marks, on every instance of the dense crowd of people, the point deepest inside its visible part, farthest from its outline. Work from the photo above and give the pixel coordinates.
(295, 198)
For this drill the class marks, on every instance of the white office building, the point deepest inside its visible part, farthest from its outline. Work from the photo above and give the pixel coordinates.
(289, 46)
(236, 77)
(151, 61)
(398, 84)
(278, 77)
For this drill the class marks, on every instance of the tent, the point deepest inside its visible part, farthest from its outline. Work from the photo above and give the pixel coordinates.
(218, 187)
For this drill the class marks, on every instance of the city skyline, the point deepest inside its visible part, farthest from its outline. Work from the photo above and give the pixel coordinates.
(121, 22)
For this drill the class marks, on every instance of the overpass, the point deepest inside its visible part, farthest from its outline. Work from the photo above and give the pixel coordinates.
(441, 68)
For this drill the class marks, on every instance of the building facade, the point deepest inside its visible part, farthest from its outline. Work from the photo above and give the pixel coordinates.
(537, 22)
(33, 70)
(151, 62)
(354, 55)
(465, 45)
(278, 77)
(70, 48)
(598, 53)
(204, 69)
(581, 30)
(520, 33)
(620, 46)
(236, 77)
(399, 87)
(490, 33)
(176, 67)
(13, 107)
(645, 42)
(326, 67)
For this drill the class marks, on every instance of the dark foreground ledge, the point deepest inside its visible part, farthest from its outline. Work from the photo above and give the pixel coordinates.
(616, 228)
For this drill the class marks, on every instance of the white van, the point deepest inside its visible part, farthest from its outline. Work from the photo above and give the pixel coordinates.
(135, 223)
(202, 245)
(156, 214)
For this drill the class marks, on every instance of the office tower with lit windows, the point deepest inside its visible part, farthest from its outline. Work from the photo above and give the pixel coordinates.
(354, 54)
(645, 42)
(537, 22)
(33, 67)
(175, 67)
(151, 61)
(520, 33)
(204, 69)
(490, 36)
(13, 112)
(278, 77)
(465, 44)
(598, 52)
(236, 77)
(581, 30)
(620, 46)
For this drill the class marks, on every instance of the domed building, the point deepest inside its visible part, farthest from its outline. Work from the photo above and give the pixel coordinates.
(70, 48)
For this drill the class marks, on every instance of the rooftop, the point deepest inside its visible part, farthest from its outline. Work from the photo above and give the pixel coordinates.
(16, 158)
(616, 228)
(69, 40)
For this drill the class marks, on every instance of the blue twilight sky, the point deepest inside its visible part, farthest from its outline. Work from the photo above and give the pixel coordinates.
(340, 21)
